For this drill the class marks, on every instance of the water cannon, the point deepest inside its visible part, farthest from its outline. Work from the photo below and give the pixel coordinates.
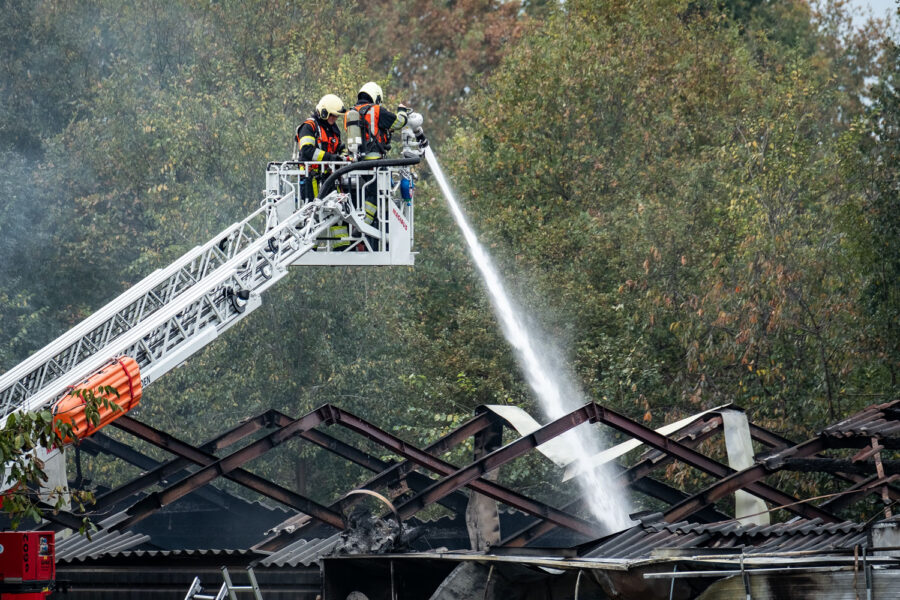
(413, 137)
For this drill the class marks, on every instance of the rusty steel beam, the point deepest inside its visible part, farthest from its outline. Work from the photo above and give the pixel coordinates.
(158, 474)
(594, 412)
(229, 466)
(691, 438)
(487, 488)
(471, 427)
(769, 438)
(690, 435)
(388, 475)
(670, 495)
(391, 474)
(103, 443)
(646, 485)
(780, 443)
(636, 476)
(748, 479)
(274, 418)
(60, 519)
(861, 489)
(159, 439)
(495, 459)
(223, 440)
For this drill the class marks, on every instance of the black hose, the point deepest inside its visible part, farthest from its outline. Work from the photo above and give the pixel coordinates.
(328, 185)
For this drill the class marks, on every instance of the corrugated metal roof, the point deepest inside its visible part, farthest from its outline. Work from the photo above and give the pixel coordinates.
(800, 535)
(84, 557)
(80, 547)
(306, 552)
(880, 421)
(302, 552)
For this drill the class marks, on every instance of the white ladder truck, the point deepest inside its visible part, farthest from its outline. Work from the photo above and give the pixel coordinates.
(174, 312)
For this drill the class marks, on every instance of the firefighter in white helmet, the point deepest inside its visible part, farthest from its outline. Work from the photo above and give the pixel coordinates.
(369, 127)
(319, 139)
(374, 123)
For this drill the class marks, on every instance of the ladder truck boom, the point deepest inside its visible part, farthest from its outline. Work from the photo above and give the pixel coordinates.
(176, 311)
(171, 319)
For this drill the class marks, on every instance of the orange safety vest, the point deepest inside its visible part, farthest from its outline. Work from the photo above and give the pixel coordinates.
(374, 140)
(328, 143)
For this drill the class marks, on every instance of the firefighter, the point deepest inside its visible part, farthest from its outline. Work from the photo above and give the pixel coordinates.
(375, 122)
(319, 139)
(369, 127)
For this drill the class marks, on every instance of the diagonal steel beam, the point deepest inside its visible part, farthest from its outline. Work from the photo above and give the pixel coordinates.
(748, 479)
(637, 477)
(388, 474)
(102, 443)
(329, 414)
(494, 459)
(161, 472)
(482, 486)
(229, 466)
(595, 412)
(729, 479)
(860, 483)
(187, 455)
(471, 427)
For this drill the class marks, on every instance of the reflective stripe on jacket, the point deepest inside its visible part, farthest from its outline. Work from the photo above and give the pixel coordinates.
(322, 142)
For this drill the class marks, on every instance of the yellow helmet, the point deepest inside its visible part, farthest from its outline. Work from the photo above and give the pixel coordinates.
(373, 90)
(330, 105)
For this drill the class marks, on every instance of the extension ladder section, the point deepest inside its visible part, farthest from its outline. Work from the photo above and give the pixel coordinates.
(226, 588)
(175, 311)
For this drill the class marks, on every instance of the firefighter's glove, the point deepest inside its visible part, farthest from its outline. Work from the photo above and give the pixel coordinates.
(420, 137)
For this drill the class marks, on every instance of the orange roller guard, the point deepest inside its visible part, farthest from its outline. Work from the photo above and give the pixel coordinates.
(121, 373)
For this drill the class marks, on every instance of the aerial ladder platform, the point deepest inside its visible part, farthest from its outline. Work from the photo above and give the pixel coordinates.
(158, 323)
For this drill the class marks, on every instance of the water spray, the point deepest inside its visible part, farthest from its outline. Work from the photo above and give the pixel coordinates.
(605, 498)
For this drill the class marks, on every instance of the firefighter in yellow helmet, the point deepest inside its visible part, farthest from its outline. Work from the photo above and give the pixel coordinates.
(319, 139)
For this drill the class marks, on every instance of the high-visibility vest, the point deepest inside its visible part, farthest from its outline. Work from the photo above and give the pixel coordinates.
(323, 141)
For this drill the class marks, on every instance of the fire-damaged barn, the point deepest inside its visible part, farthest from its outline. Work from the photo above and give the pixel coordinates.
(738, 537)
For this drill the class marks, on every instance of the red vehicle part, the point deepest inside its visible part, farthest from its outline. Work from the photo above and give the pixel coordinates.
(27, 564)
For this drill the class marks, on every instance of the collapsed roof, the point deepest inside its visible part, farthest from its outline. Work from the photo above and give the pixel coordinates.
(687, 527)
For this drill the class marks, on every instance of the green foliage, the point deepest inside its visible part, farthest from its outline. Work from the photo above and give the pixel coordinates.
(22, 437)
(683, 192)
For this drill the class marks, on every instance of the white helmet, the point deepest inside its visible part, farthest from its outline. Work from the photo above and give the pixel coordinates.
(330, 105)
(373, 90)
